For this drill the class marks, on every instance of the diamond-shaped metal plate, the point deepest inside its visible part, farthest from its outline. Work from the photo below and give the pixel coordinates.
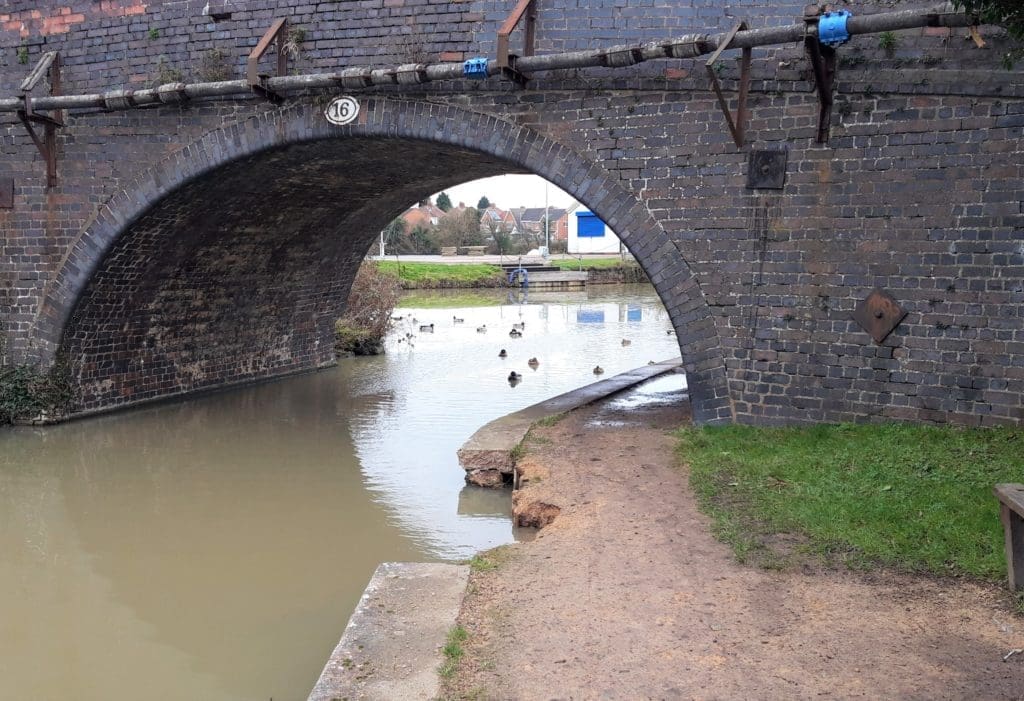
(879, 314)
(766, 169)
(6, 193)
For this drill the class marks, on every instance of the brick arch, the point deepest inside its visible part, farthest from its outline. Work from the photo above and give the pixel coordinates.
(517, 148)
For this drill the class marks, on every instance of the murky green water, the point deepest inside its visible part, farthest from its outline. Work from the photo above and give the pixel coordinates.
(213, 548)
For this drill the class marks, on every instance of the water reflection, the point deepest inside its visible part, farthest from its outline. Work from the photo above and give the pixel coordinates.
(213, 548)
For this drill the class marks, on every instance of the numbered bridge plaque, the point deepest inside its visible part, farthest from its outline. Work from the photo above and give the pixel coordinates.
(342, 110)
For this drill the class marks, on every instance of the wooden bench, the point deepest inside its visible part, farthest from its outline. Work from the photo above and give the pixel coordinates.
(1011, 502)
(449, 250)
(475, 250)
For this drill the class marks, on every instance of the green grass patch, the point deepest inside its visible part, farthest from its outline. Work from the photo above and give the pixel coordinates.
(551, 420)
(443, 300)
(586, 263)
(518, 452)
(452, 651)
(481, 563)
(915, 497)
(442, 275)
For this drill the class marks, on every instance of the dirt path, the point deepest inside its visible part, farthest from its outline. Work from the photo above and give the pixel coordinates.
(626, 595)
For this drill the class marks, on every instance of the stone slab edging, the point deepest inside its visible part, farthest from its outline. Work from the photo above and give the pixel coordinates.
(391, 647)
(490, 452)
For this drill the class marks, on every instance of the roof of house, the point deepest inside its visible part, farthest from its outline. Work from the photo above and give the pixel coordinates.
(498, 216)
(421, 215)
(536, 214)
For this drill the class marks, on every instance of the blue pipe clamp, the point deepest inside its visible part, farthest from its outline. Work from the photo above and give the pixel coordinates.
(475, 68)
(832, 28)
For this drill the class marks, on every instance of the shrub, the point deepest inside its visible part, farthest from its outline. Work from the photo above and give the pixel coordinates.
(373, 297)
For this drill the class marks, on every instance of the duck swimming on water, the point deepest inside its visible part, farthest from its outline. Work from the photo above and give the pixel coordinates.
(598, 370)
(514, 376)
(502, 353)
(427, 327)
(481, 329)
(514, 333)
(533, 363)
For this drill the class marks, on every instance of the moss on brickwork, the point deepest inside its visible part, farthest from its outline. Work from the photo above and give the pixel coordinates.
(28, 393)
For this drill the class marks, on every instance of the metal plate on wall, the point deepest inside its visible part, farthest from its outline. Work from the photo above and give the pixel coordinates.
(766, 169)
(879, 314)
(6, 193)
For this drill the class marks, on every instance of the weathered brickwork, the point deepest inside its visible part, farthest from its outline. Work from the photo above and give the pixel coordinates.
(212, 243)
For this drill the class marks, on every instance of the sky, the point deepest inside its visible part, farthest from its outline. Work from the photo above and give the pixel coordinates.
(509, 191)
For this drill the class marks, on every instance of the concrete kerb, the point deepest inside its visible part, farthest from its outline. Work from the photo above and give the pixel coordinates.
(488, 457)
(391, 647)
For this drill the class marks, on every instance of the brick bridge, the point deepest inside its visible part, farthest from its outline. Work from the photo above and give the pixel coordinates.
(195, 245)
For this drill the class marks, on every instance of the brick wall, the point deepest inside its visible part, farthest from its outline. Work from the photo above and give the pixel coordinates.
(176, 282)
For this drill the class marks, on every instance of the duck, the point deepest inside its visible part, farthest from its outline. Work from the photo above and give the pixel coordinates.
(533, 363)
(427, 327)
(514, 376)
(514, 333)
(670, 332)
(457, 320)
(598, 370)
(626, 342)
(481, 329)
(521, 326)
(408, 334)
(397, 318)
(502, 353)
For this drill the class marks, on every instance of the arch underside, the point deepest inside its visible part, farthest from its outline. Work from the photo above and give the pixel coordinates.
(241, 273)
(231, 261)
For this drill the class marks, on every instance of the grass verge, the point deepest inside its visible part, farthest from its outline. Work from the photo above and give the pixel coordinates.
(434, 275)
(586, 263)
(915, 497)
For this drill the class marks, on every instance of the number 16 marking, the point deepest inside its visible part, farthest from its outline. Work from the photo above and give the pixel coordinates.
(342, 110)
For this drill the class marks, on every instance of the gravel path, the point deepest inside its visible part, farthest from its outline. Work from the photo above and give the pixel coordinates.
(626, 595)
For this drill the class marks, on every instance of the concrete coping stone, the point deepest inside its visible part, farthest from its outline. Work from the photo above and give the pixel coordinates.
(490, 452)
(391, 647)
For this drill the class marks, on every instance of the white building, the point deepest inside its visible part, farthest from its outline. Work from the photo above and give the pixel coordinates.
(588, 234)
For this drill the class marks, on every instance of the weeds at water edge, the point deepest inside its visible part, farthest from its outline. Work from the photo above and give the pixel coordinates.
(479, 563)
(452, 651)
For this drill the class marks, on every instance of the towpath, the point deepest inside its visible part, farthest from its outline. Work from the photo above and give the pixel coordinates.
(626, 595)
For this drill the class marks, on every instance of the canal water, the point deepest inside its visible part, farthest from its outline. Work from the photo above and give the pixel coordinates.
(214, 547)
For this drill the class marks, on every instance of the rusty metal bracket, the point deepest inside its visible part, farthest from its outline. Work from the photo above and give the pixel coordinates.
(49, 64)
(507, 61)
(258, 81)
(879, 314)
(737, 124)
(823, 66)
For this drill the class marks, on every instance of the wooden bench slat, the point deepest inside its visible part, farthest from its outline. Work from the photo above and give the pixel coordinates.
(1012, 495)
